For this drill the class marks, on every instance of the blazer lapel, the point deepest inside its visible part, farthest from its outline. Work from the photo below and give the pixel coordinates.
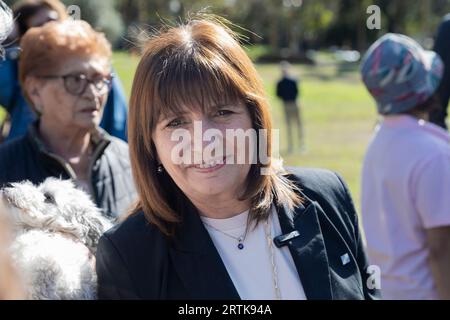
(203, 274)
(197, 262)
(308, 250)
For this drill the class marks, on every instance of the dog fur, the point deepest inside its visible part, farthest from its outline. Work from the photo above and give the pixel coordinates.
(56, 229)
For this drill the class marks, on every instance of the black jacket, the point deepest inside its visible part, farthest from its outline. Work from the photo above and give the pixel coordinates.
(287, 89)
(111, 182)
(135, 261)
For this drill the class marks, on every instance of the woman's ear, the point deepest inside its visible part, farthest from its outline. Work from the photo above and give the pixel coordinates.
(32, 88)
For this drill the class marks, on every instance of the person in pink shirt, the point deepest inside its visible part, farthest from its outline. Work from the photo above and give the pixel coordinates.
(406, 173)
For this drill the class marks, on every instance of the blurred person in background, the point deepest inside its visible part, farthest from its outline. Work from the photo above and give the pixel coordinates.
(288, 92)
(35, 13)
(406, 172)
(65, 73)
(442, 47)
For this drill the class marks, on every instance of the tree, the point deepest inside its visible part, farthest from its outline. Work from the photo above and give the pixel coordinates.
(103, 16)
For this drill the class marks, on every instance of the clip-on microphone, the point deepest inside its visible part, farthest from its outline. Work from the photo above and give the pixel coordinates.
(283, 239)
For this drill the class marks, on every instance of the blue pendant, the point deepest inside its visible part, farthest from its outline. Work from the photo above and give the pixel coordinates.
(241, 246)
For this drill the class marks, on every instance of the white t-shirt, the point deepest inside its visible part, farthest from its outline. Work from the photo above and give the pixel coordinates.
(250, 269)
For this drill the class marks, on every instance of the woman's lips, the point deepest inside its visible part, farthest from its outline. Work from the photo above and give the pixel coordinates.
(90, 109)
(209, 167)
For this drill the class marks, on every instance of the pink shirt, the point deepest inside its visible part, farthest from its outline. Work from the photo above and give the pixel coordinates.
(405, 190)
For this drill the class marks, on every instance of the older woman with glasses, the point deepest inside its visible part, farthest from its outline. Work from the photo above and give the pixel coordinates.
(65, 72)
(30, 14)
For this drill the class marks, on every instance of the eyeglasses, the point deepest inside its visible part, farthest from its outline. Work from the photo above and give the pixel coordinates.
(76, 84)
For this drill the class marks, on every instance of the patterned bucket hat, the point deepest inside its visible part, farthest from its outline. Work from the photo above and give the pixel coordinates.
(400, 74)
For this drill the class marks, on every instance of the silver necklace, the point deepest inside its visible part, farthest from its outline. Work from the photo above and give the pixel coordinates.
(268, 234)
(240, 239)
(272, 260)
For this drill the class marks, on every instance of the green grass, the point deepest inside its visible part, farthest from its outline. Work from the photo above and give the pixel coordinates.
(125, 66)
(338, 114)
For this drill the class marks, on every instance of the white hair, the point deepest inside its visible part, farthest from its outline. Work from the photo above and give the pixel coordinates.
(56, 230)
(6, 24)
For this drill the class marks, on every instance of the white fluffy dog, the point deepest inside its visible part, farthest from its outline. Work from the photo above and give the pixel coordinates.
(56, 230)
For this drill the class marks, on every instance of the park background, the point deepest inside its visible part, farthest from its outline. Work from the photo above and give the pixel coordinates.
(323, 39)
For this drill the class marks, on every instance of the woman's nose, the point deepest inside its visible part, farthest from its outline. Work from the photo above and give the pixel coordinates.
(205, 133)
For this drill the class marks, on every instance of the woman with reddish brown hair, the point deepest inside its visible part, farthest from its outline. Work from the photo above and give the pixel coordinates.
(208, 204)
(65, 73)
(30, 14)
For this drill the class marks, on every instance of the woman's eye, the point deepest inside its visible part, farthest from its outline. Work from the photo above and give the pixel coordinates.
(223, 113)
(76, 78)
(49, 198)
(175, 123)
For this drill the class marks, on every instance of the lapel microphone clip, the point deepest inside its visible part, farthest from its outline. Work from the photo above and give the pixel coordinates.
(283, 239)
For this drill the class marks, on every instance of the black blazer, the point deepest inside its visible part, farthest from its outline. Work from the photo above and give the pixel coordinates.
(135, 260)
